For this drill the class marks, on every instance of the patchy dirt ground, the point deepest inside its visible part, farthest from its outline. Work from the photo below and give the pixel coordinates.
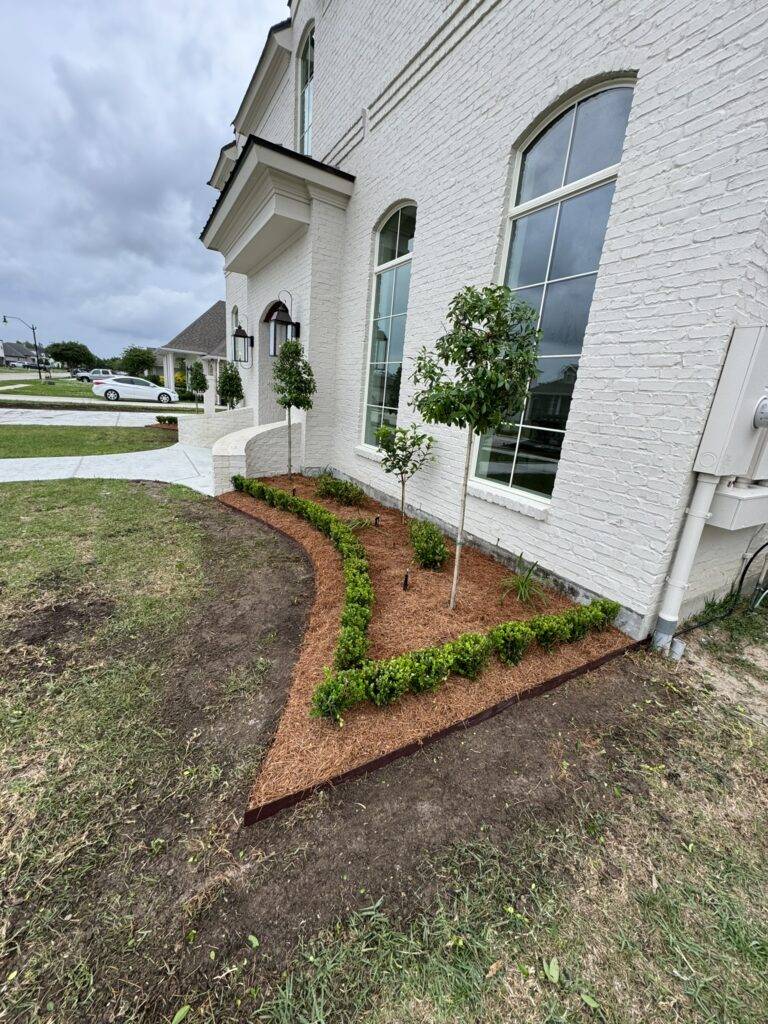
(131, 889)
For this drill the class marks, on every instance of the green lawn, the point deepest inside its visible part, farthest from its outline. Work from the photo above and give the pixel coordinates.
(627, 884)
(20, 442)
(65, 387)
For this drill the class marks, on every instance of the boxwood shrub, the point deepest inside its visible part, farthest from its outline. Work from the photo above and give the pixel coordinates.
(343, 491)
(382, 682)
(428, 543)
(352, 645)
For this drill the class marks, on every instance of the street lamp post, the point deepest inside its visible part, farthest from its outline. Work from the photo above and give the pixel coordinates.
(34, 338)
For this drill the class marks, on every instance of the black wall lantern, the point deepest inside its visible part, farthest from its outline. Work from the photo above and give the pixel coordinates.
(243, 342)
(281, 325)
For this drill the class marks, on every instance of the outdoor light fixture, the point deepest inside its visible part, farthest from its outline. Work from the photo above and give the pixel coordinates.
(241, 348)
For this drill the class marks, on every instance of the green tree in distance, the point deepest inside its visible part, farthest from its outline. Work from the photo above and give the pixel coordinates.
(71, 354)
(198, 382)
(137, 361)
(404, 451)
(478, 375)
(293, 382)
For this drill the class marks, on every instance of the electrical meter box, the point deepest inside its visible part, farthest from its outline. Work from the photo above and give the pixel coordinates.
(730, 440)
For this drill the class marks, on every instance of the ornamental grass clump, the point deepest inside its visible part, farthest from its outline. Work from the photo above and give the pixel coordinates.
(352, 645)
(428, 543)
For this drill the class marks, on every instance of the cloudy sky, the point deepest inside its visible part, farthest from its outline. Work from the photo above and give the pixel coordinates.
(112, 113)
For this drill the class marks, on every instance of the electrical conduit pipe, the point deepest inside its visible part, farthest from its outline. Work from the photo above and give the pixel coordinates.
(696, 517)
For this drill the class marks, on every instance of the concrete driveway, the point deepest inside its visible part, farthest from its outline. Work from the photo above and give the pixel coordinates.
(177, 464)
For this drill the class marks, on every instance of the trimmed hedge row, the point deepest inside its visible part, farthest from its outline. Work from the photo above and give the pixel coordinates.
(343, 491)
(352, 645)
(382, 682)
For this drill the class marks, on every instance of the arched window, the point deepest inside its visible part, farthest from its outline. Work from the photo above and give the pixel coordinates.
(306, 89)
(392, 279)
(564, 189)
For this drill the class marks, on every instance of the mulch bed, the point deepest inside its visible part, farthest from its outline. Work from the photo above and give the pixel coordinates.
(308, 752)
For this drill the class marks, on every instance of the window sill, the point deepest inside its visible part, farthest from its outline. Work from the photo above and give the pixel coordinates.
(365, 451)
(527, 505)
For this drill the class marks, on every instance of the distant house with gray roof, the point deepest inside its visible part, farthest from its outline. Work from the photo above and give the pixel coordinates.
(205, 339)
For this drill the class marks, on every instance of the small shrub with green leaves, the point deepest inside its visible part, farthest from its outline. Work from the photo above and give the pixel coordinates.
(343, 491)
(382, 682)
(428, 543)
(352, 645)
(167, 419)
(511, 640)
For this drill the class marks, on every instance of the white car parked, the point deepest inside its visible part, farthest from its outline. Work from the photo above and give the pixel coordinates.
(133, 389)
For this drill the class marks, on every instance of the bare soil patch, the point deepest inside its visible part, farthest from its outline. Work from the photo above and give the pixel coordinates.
(307, 752)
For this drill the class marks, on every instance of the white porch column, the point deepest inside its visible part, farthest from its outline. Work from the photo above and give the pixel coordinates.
(209, 396)
(168, 369)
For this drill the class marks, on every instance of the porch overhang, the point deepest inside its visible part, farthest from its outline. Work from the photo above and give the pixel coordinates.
(267, 202)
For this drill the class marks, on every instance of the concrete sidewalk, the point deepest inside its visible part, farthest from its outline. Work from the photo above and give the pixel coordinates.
(75, 418)
(178, 464)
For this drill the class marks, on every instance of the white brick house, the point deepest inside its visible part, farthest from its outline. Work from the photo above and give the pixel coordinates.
(633, 134)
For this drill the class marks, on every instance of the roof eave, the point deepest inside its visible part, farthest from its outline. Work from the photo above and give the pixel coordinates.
(278, 36)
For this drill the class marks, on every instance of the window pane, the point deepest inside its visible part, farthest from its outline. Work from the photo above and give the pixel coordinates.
(531, 295)
(531, 242)
(383, 302)
(544, 160)
(598, 136)
(497, 454)
(580, 232)
(549, 397)
(407, 230)
(376, 384)
(372, 424)
(396, 338)
(537, 457)
(388, 239)
(389, 418)
(565, 315)
(402, 284)
(392, 390)
(379, 340)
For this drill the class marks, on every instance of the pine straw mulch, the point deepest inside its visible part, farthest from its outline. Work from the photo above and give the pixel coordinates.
(307, 752)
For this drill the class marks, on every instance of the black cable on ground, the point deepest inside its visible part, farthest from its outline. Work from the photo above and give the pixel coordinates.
(733, 598)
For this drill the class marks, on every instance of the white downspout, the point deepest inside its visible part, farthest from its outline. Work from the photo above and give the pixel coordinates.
(696, 518)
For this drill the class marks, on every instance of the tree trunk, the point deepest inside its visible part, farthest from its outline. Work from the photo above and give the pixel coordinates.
(402, 499)
(462, 510)
(290, 468)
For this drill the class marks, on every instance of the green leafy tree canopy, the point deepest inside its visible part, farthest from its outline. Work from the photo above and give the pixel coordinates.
(230, 385)
(293, 382)
(404, 451)
(71, 354)
(478, 374)
(137, 361)
(198, 382)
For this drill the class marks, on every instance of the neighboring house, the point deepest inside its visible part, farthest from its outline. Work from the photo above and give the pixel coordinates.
(19, 352)
(205, 339)
(608, 161)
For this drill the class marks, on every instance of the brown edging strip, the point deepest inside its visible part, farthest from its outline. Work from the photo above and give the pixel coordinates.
(264, 811)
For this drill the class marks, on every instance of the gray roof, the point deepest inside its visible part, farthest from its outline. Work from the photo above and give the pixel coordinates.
(18, 350)
(206, 336)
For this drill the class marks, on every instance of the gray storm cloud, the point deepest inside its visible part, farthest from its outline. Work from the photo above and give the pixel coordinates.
(111, 118)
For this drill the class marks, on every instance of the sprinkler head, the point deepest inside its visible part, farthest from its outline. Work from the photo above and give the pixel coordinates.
(406, 579)
(377, 521)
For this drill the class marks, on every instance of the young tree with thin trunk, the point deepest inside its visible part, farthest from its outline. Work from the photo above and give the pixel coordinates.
(230, 385)
(198, 382)
(478, 375)
(404, 451)
(293, 382)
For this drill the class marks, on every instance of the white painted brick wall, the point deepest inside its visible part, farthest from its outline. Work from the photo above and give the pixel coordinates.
(203, 431)
(685, 257)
